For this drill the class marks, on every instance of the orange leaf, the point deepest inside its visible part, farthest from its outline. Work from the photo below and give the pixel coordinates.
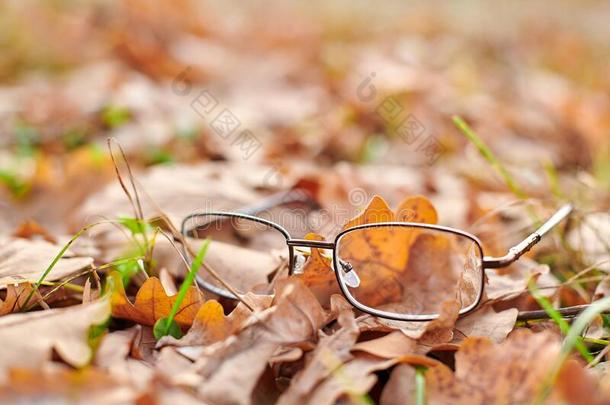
(416, 209)
(211, 323)
(152, 303)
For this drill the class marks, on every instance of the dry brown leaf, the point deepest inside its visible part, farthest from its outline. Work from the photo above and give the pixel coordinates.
(23, 260)
(63, 330)
(64, 385)
(400, 388)
(113, 357)
(508, 283)
(152, 303)
(428, 333)
(352, 380)
(29, 228)
(232, 367)
(333, 373)
(440, 330)
(392, 345)
(391, 249)
(16, 295)
(200, 333)
(486, 322)
(242, 268)
(576, 385)
(331, 352)
(487, 373)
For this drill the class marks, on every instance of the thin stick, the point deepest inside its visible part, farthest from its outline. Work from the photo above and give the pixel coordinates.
(138, 205)
(120, 178)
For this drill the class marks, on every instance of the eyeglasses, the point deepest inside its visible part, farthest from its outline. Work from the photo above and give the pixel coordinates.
(396, 270)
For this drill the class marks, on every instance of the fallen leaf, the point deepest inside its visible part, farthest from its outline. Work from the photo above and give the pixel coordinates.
(400, 388)
(392, 345)
(331, 352)
(318, 275)
(152, 303)
(64, 385)
(488, 323)
(29, 228)
(63, 330)
(23, 260)
(509, 283)
(232, 367)
(428, 333)
(113, 357)
(16, 295)
(352, 380)
(210, 325)
(520, 367)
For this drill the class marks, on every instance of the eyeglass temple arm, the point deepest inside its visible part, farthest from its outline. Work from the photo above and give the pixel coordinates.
(518, 250)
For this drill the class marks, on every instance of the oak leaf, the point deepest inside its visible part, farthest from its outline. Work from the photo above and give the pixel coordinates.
(152, 303)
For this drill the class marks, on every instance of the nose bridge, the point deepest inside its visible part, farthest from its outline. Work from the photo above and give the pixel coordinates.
(311, 243)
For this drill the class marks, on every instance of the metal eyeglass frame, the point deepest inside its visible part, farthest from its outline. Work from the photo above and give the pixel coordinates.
(488, 262)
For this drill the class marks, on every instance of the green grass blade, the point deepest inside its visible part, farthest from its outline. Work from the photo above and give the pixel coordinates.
(164, 326)
(489, 156)
(571, 341)
(54, 262)
(495, 163)
(558, 319)
(420, 385)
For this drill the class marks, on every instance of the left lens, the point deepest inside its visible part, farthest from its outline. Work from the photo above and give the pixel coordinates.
(244, 252)
(408, 271)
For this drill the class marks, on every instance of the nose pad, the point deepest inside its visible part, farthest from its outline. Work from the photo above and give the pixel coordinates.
(299, 263)
(349, 274)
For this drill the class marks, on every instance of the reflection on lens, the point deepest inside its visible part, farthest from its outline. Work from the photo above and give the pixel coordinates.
(408, 270)
(245, 253)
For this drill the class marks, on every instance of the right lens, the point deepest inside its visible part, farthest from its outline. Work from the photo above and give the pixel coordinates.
(409, 271)
(243, 252)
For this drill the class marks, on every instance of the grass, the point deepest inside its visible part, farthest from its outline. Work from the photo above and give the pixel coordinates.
(571, 341)
(42, 279)
(490, 157)
(168, 326)
(558, 319)
(16, 186)
(114, 116)
(420, 385)
(54, 262)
